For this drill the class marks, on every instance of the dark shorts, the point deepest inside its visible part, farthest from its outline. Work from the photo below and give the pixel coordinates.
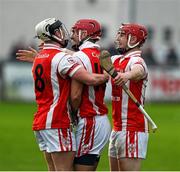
(88, 159)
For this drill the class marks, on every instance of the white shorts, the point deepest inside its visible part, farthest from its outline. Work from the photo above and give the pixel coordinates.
(92, 134)
(56, 140)
(128, 144)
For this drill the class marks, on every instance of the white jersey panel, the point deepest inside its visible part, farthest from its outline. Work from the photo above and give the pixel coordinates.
(55, 89)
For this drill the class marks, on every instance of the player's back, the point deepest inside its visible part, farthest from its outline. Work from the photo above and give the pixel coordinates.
(51, 91)
(92, 96)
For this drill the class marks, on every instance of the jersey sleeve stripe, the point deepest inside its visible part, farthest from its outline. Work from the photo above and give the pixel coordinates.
(73, 69)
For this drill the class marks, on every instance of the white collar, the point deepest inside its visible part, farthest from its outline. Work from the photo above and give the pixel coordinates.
(52, 46)
(89, 44)
(130, 54)
(133, 53)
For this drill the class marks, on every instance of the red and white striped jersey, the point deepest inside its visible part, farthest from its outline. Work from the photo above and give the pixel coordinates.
(125, 113)
(92, 96)
(51, 69)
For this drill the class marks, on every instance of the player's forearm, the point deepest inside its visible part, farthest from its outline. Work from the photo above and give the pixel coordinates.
(95, 79)
(90, 79)
(99, 79)
(76, 92)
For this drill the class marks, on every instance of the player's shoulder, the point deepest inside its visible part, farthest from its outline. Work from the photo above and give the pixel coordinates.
(79, 54)
(137, 59)
(62, 58)
(136, 56)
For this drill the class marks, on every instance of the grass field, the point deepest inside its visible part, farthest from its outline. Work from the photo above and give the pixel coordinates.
(19, 151)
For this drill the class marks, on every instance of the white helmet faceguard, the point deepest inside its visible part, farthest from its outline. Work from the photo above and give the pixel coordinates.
(45, 30)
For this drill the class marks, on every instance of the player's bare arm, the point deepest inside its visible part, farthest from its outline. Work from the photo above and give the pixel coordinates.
(76, 92)
(90, 79)
(137, 73)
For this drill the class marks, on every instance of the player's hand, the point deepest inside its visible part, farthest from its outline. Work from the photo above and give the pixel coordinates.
(121, 78)
(26, 55)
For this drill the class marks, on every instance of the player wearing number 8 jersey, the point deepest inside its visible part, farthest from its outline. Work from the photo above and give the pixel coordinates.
(93, 129)
(52, 70)
(50, 85)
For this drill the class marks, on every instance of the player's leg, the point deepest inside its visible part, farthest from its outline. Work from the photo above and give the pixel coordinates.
(79, 167)
(63, 160)
(43, 147)
(113, 164)
(129, 164)
(49, 161)
(97, 162)
(112, 152)
(62, 149)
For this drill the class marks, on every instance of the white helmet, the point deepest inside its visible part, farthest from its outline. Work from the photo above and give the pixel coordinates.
(45, 30)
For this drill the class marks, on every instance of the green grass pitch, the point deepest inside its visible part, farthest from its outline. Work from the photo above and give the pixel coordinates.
(19, 151)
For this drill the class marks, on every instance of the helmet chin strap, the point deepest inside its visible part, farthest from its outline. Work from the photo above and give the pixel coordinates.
(125, 50)
(79, 35)
(75, 47)
(81, 41)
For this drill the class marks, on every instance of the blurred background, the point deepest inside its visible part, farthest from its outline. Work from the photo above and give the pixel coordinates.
(161, 53)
